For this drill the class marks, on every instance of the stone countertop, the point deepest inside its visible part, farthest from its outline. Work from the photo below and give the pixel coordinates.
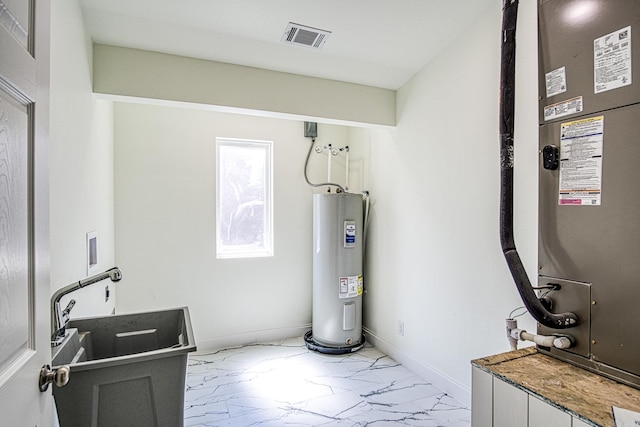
(581, 393)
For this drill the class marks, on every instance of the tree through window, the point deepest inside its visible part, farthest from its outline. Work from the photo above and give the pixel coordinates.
(244, 193)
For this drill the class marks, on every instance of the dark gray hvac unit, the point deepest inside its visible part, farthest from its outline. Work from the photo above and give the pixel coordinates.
(589, 193)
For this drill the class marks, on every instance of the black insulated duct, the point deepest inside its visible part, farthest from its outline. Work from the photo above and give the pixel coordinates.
(507, 107)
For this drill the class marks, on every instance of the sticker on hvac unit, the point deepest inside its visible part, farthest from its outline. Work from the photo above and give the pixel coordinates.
(563, 108)
(612, 60)
(556, 82)
(351, 286)
(581, 162)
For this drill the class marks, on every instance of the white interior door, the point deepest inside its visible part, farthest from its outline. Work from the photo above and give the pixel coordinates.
(24, 212)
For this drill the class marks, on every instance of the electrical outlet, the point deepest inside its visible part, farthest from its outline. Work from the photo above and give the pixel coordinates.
(400, 328)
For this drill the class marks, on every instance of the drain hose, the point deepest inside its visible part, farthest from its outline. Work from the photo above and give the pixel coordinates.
(507, 107)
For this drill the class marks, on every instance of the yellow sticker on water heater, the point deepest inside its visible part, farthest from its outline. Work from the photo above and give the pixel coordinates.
(351, 286)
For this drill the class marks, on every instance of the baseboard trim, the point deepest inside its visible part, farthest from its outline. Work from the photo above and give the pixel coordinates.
(254, 337)
(445, 383)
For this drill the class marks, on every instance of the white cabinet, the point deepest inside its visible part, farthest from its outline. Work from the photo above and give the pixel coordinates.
(497, 403)
(481, 398)
(510, 405)
(541, 414)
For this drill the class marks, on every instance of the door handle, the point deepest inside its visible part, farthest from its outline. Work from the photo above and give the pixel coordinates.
(58, 376)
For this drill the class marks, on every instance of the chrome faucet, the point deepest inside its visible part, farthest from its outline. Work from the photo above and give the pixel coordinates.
(60, 318)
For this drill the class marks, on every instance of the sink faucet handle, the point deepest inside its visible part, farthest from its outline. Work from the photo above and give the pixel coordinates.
(67, 310)
(64, 315)
(62, 318)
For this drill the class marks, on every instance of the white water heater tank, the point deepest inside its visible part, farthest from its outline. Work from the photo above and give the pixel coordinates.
(337, 269)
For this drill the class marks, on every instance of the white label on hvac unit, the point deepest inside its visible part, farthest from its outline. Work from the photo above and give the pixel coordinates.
(564, 108)
(612, 60)
(350, 286)
(349, 234)
(581, 162)
(556, 81)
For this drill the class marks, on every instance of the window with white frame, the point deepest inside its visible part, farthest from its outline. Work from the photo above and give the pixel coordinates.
(244, 209)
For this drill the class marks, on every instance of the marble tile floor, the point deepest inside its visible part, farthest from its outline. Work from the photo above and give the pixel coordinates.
(284, 384)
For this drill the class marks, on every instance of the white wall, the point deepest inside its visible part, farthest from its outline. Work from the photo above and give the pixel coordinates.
(81, 163)
(165, 223)
(434, 257)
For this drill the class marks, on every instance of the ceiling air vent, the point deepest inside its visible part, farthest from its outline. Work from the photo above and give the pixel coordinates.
(305, 36)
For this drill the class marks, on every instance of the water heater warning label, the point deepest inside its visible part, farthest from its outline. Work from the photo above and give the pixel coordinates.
(350, 286)
(581, 162)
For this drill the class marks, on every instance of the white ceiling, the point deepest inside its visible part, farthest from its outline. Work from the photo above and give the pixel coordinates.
(373, 42)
